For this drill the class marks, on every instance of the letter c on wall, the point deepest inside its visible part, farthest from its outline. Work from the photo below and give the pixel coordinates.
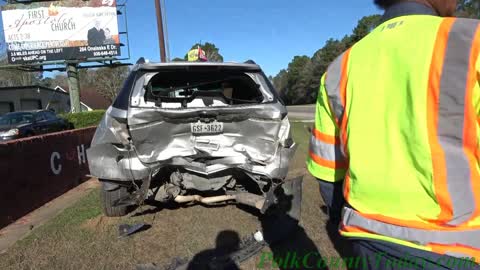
(55, 169)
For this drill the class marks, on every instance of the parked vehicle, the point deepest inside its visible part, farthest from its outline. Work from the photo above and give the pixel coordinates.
(204, 132)
(17, 125)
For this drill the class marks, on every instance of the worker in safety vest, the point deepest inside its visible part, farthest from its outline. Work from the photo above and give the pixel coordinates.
(395, 145)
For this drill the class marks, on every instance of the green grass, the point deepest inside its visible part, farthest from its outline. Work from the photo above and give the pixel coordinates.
(300, 135)
(44, 247)
(67, 221)
(89, 206)
(84, 119)
(82, 238)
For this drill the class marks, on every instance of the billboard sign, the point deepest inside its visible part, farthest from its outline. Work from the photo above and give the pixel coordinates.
(60, 30)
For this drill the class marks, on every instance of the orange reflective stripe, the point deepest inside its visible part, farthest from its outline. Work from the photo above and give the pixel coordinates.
(343, 99)
(438, 155)
(343, 80)
(325, 137)
(327, 163)
(470, 142)
(343, 124)
(353, 229)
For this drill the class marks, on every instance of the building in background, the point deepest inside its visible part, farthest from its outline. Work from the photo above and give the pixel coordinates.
(90, 96)
(27, 98)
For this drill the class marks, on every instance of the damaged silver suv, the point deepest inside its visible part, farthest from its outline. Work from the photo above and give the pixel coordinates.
(184, 132)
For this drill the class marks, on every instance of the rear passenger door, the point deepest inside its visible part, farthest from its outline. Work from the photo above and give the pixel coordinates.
(53, 122)
(41, 123)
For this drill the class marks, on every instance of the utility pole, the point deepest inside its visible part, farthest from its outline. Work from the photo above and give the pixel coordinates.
(74, 87)
(161, 35)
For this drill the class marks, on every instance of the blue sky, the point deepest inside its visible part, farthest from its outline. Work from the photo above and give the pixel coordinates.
(270, 32)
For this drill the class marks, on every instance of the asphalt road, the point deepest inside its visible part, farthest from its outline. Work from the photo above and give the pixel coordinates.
(302, 112)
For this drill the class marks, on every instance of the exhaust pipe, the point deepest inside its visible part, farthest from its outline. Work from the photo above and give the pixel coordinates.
(242, 198)
(207, 200)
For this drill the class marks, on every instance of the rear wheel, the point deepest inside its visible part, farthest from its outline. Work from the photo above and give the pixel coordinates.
(108, 198)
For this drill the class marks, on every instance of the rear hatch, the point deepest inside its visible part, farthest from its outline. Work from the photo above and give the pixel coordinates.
(204, 113)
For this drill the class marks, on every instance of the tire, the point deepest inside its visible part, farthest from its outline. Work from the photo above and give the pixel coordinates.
(108, 197)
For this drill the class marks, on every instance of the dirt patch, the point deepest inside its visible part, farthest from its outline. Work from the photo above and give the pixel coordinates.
(82, 238)
(100, 223)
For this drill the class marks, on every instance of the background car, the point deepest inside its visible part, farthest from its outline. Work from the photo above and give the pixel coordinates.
(17, 125)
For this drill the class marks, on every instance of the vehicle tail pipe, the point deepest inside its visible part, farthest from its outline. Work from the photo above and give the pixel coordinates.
(242, 198)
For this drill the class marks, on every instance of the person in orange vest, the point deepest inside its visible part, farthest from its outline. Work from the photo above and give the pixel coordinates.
(396, 141)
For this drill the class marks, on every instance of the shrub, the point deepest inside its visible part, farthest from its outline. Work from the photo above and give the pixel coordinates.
(84, 119)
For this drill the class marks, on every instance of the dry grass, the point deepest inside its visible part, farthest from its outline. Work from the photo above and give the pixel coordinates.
(82, 238)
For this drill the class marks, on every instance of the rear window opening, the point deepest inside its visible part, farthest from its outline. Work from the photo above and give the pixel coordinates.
(182, 88)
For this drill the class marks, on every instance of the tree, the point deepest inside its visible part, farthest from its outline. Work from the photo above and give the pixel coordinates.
(280, 82)
(299, 83)
(211, 51)
(13, 77)
(16, 77)
(363, 28)
(468, 9)
(296, 78)
(58, 80)
(178, 59)
(109, 80)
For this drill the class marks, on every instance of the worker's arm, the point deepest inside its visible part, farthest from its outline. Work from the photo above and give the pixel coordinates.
(325, 160)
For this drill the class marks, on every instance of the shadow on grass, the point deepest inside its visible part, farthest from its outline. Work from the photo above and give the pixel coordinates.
(291, 247)
(155, 207)
(226, 243)
(341, 245)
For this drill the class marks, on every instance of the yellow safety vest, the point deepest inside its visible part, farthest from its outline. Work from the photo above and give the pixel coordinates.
(397, 120)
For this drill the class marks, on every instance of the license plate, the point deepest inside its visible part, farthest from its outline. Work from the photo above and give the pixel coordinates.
(207, 128)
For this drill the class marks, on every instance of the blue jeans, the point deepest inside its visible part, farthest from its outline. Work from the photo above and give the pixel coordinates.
(332, 195)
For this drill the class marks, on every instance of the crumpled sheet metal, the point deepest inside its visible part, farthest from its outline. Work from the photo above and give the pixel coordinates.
(107, 161)
(144, 116)
(103, 164)
(159, 140)
(252, 145)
